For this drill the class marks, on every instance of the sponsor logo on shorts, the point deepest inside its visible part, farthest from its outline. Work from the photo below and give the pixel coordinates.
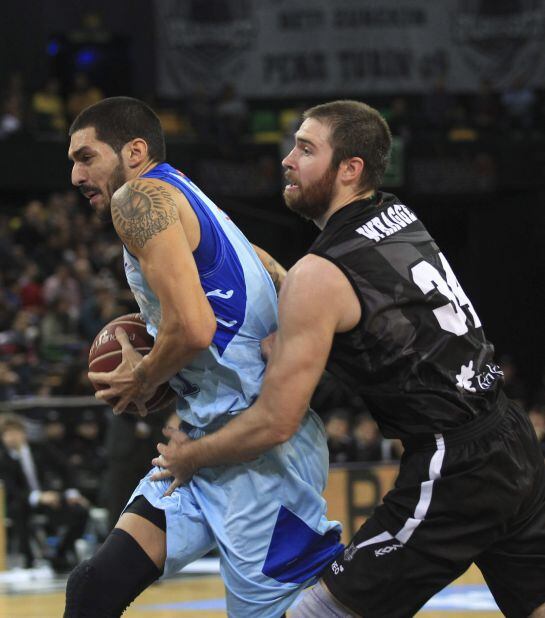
(337, 568)
(349, 552)
(384, 551)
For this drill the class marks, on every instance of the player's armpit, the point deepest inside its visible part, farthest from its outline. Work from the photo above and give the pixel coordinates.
(141, 209)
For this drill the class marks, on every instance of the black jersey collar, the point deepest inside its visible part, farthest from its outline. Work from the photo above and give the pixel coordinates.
(366, 205)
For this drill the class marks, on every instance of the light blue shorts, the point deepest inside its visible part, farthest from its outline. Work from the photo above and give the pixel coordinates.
(266, 517)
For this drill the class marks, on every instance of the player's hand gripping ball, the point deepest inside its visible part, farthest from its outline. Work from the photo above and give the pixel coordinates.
(105, 355)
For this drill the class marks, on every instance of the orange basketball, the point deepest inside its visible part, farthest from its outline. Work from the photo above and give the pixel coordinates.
(105, 355)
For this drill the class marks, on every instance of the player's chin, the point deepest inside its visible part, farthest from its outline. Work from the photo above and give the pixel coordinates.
(103, 212)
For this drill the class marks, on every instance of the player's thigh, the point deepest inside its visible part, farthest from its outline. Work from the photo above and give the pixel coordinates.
(150, 538)
(514, 568)
(188, 534)
(379, 576)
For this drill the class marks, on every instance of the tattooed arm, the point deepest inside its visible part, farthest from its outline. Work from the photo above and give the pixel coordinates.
(276, 271)
(146, 217)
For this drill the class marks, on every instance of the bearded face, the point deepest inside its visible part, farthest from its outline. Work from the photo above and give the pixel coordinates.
(98, 170)
(310, 200)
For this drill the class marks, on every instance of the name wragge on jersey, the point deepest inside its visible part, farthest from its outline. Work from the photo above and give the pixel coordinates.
(390, 221)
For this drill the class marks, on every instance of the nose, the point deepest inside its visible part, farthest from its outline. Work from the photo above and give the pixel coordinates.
(288, 161)
(78, 175)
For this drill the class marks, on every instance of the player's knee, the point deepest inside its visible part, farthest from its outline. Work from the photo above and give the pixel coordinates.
(318, 601)
(83, 592)
(105, 585)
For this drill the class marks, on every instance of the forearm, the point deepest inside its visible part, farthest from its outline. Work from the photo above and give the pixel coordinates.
(244, 438)
(170, 353)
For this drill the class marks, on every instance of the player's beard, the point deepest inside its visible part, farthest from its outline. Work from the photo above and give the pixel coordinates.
(313, 201)
(117, 179)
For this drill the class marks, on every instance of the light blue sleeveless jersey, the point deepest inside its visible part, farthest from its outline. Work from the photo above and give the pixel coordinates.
(225, 378)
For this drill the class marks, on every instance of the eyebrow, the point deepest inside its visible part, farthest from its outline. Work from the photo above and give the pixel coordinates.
(302, 140)
(77, 153)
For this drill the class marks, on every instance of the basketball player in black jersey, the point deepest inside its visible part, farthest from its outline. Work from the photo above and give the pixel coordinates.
(377, 302)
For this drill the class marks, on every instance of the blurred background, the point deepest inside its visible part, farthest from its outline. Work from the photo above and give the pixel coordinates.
(462, 85)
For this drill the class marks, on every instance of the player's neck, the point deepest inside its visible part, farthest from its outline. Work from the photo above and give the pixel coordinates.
(146, 167)
(340, 201)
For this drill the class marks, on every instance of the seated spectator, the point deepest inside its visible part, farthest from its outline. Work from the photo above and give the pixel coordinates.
(11, 117)
(83, 94)
(438, 107)
(485, 108)
(341, 445)
(86, 453)
(519, 105)
(37, 480)
(58, 332)
(61, 284)
(368, 439)
(48, 108)
(9, 382)
(99, 309)
(231, 115)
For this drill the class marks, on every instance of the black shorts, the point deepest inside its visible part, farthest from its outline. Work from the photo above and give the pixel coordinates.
(476, 495)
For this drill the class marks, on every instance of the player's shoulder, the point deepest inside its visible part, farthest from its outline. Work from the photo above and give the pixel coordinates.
(316, 276)
(153, 190)
(312, 267)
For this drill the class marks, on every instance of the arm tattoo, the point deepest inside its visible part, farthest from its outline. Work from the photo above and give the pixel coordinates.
(141, 211)
(277, 273)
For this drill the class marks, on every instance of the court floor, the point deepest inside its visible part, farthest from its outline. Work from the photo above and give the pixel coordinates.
(202, 597)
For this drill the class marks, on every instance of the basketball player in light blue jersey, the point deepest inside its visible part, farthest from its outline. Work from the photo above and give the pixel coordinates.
(208, 302)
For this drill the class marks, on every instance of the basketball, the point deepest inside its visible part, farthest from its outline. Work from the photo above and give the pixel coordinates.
(105, 355)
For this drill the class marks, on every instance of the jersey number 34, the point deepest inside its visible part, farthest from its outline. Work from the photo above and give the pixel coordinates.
(451, 316)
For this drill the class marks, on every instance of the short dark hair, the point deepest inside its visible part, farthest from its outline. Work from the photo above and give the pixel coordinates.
(357, 130)
(118, 120)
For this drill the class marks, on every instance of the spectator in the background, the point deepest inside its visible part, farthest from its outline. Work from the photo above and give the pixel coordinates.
(438, 106)
(519, 105)
(9, 381)
(130, 446)
(83, 94)
(368, 439)
(31, 231)
(37, 480)
(537, 418)
(48, 108)
(62, 284)
(485, 108)
(11, 118)
(86, 453)
(340, 442)
(30, 290)
(231, 115)
(99, 309)
(55, 431)
(399, 119)
(58, 331)
(199, 110)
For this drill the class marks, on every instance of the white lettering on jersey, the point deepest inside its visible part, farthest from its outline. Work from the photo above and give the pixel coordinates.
(218, 293)
(393, 220)
(369, 232)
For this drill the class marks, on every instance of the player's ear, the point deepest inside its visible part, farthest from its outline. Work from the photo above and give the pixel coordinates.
(352, 169)
(136, 151)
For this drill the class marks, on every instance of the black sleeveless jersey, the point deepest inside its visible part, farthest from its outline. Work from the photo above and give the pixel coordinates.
(419, 356)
